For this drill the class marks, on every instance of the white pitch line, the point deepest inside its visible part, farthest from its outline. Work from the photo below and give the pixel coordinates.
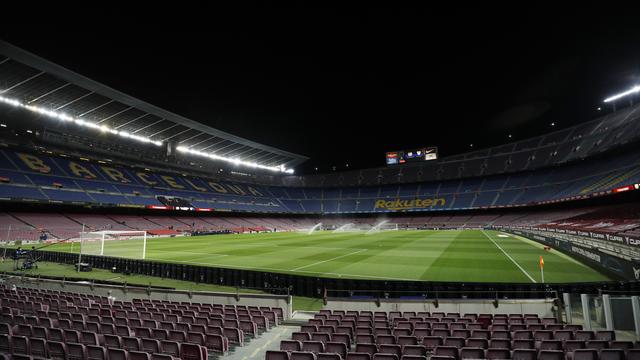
(324, 261)
(181, 252)
(507, 255)
(196, 258)
(360, 276)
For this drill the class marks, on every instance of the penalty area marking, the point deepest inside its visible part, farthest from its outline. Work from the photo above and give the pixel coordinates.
(324, 261)
(507, 255)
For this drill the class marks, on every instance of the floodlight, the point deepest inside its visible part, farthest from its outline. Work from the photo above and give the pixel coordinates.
(633, 90)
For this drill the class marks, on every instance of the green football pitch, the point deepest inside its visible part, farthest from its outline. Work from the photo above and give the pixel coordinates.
(447, 255)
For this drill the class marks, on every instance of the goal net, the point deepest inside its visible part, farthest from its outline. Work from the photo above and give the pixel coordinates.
(129, 244)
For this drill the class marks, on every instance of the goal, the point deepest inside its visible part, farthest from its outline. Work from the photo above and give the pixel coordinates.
(128, 243)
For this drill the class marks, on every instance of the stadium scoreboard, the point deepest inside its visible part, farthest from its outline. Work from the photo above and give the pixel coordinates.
(415, 155)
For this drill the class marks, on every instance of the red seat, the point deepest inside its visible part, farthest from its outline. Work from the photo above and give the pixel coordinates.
(380, 356)
(524, 354)
(276, 355)
(138, 355)
(56, 350)
(38, 347)
(193, 352)
(116, 354)
(150, 345)
(326, 356)
(612, 354)
(552, 355)
(336, 348)
(414, 350)
(290, 345)
(19, 345)
(358, 356)
(170, 348)
(96, 353)
(471, 353)
(302, 355)
(76, 352)
(497, 354)
(446, 351)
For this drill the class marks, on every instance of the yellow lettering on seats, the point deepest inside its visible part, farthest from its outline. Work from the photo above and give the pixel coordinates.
(217, 187)
(145, 178)
(199, 188)
(236, 189)
(81, 171)
(115, 174)
(255, 192)
(171, 181)
(34, 163)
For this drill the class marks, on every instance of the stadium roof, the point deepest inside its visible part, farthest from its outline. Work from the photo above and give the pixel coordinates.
(32, 82)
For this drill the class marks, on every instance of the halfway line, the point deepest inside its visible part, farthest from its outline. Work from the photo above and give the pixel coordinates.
(510, 258)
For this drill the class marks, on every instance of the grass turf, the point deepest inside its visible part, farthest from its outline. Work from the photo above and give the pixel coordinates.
(447, 255)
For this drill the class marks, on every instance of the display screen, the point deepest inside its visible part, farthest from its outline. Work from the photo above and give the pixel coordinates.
(415, 155)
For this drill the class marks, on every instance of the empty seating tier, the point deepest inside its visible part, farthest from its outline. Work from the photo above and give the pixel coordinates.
(60, 325)
(366, 335)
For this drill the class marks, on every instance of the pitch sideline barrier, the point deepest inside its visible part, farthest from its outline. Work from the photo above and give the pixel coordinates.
(313, 286)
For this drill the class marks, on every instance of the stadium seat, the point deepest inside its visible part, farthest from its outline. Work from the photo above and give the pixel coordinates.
(96, 353)
(633, 354)
(583, 354)
(380, 356)
(606, 335)
(19, 345)
(138, 355)
(477, 343)
(56, 350)
(497, 354)
(394, 349)
(151, 346)
(612, 354)
(190, 351)
(524, 354)
(358, 356)
(302, 355)
(116, 354)
(313, 346)
(550, 345)
(38, 347)
(336, 348)
(170, 348)
(551, 355)
(472, 353)
(448, 351)
(325, 356)
(76, 351)
(276, 355)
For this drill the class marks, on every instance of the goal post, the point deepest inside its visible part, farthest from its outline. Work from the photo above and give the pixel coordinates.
(118, 243)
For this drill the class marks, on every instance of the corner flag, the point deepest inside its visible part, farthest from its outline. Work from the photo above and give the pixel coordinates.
(541, 262)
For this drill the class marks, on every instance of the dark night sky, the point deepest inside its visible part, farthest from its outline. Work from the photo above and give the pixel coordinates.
(344, 86)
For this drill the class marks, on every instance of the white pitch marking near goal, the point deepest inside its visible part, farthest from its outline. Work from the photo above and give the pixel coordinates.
(510, 258)
(105, 235)
(324, 261)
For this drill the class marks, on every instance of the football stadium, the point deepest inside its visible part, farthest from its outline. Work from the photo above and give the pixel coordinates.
(128, 231)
